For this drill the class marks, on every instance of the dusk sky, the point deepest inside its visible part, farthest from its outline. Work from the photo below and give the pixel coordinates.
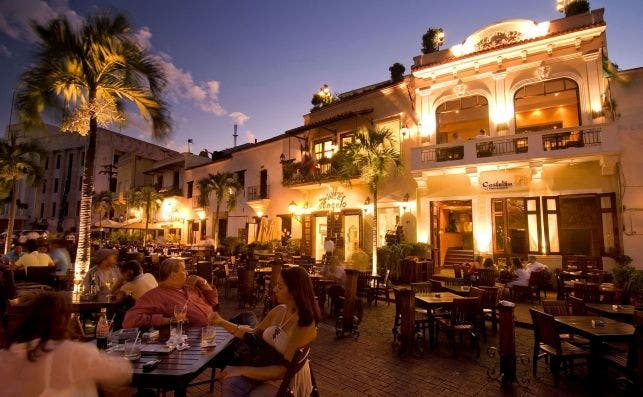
(257, 63)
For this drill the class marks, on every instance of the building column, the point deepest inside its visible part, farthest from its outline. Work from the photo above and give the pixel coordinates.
(427, 119)
(594, 80)
(502, 114)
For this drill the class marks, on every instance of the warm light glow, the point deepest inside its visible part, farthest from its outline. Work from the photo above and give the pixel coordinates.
(482, 235)
(500, 114)
(428, 126)
(200, 213)
(597, 106)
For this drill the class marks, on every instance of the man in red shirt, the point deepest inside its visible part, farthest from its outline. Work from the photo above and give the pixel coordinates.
(156, 307)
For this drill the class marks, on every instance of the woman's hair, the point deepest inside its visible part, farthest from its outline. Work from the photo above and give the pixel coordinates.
(516, 262)
(46, 319)
(488, 263)
(132, 266)
(301, 289)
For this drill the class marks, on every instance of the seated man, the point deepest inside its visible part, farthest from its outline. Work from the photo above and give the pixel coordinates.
(156, 307)
(534, 266)
(34, 258)
(133, 282)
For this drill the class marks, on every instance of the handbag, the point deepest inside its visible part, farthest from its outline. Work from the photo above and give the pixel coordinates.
(253, 351)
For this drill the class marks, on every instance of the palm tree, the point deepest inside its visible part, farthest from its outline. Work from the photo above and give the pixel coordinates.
(225, 187)
(102, 203)
(149, 198)
(89, 74)
(18, 160)
(372, 155)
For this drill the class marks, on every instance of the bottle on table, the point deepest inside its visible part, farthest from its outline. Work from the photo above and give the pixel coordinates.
(102, 330)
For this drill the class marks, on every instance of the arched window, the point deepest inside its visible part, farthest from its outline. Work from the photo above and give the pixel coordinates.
(547, 105)
(462, 119)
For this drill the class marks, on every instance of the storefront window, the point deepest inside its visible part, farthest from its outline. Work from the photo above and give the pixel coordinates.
(323, 149)
(462, 119)
(547, 105)
(510, 218)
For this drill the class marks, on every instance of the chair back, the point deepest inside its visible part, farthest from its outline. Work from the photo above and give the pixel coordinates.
(589, 293)
(486, 277)
(299, 359)
(204, 269)
(436, 285)
(577, 306)
(546, 329)
(491, 298)
(457, 271)
(421, 288)
(536, 279)
(386, 276)
(635, 353)
(555, 308)
(464, 311)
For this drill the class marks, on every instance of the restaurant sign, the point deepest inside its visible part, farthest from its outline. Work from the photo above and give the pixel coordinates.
(504, 180)
(333, 201)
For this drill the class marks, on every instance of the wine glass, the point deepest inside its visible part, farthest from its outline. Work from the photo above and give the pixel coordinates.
(77, 284)
(180, 314)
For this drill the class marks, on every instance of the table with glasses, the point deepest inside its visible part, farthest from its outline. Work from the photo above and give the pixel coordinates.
(588, 327)
(617, 312)
(179, 368)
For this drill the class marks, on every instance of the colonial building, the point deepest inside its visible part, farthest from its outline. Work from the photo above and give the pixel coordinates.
(55, 204)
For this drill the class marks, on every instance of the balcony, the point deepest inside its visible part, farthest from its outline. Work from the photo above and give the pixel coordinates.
(303, 173)
(256, 192)
(550, 144)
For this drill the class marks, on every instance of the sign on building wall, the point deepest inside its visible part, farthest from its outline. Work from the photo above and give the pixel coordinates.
(504, 180)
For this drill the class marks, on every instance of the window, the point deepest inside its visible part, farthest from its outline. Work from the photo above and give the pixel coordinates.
(581, 224)
(71, 161)
(58, 158)
(159, 182)
(547, 105)
(80, 184)
(78, 208)
(323, 149)
(346, 139)
(516, 227)
(44, 187)
(241, 177)
(190, 186)
(56, 185)
(42, 210)
(82, 159)
(462, 119)
(53, 210)
(46, 162)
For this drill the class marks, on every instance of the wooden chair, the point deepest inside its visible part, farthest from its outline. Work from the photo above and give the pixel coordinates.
(457, 271)
(462, 321)
(547, 343)
(577, 306)
(481, 294)
(555, 308)
(631, 362)
(436, 285)
(204, 270)
(533, 289)
(421, 288)
(589, 293)
(486, 277)
(489, 306)
(229, 279)
(381, 288)
(299, 360)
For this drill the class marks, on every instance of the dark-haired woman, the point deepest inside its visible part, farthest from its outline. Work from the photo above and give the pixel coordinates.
(42, 361)
(287, 327)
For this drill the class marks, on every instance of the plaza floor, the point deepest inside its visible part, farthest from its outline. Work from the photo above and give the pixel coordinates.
(369, 366)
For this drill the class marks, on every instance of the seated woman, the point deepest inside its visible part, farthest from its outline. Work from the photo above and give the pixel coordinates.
(287, 327)
(522, 276)
(48, 363)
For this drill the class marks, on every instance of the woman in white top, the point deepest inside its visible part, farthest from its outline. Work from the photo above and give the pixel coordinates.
(41, 361)
(287, 327)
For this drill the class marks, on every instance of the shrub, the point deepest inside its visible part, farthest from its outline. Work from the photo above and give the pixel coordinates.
(360, 261)
(390, 256)
(397, 71)
(576, 7)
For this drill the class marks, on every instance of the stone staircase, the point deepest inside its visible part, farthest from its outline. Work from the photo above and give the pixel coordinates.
(456, 256)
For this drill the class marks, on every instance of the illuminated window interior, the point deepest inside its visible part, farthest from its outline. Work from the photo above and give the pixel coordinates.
(547, 105)
(323, 149)
(462, 118)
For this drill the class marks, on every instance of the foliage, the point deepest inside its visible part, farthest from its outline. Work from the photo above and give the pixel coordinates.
(322, 97)
(18, 160)
(397, 71)
(148, 198)
(294, 244)
(225, 187)
(432, 40)
(576, 7)
(611, 72)
(87, 75)
(390, 256)
(234, 245)
(360, 261)
(121, 237)
(172, 238)
(102, 203)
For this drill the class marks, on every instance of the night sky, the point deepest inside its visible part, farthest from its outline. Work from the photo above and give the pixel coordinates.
(257, 63)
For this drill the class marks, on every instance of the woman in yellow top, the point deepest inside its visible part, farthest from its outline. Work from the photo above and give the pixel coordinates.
(287, 327)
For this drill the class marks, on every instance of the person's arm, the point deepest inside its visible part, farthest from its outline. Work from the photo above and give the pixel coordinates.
(239, 330)
(146, 312)
(100, 367)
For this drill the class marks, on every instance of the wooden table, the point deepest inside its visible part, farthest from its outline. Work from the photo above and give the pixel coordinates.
(89, 306)
(462, 290)
(432, 301)
(178, 368)
(611, 331)
(618, 312)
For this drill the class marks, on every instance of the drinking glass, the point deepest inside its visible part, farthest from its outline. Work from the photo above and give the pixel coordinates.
(180, 312)
(208, 336)
(132, 349)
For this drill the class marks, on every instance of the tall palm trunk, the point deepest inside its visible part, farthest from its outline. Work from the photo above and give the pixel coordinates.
(147, 219)
(12, 215)
(83, 251)
(216, 227)
(374, 270)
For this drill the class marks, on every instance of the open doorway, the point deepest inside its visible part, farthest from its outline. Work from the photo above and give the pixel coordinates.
(451, 227)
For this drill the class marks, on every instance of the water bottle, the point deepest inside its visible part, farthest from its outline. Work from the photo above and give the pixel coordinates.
(102, 330)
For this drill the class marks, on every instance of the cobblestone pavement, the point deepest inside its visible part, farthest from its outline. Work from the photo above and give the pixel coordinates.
(369, 366)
